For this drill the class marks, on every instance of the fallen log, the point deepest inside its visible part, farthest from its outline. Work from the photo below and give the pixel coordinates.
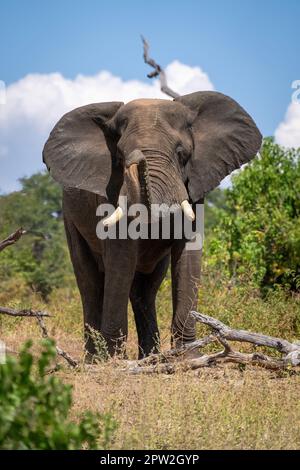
(163, 363)
(258, 339)
(174, 353)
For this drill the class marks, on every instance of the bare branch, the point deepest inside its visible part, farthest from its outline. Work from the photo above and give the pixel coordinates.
(39, 315)
(158, 71)
(23, 313)
(72, 362)
(164, 363)
(209, 360)
(258, 339)
(174, 353)
(12, 238)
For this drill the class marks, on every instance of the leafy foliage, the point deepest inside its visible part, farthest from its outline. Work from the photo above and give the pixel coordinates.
(216, 199)
(34, 408)
(257, 238)
(41, 256)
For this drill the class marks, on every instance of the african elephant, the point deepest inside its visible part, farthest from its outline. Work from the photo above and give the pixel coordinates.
(152, 151)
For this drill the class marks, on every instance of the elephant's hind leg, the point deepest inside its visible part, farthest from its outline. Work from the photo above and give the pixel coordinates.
(142, 296)
(90, 283)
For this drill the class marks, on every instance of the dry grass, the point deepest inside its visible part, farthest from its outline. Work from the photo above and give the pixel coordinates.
(217, 408)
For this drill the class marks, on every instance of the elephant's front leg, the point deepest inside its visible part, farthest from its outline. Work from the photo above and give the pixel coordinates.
(120, 263)
(186, 267)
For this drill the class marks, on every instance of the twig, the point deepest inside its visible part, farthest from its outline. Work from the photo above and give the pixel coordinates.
(72, 362)
(23, 313)
(158, 71)
(12, 238)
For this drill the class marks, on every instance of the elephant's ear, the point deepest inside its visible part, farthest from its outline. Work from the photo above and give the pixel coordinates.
(225, 137)
(79, 150)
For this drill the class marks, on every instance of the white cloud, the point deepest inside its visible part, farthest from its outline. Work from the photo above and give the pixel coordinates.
(185, 79)
(36, 102)
(288, 131)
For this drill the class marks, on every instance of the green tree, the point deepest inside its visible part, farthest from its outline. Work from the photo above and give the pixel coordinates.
(40, 257)
(258, 235)
(215, 200)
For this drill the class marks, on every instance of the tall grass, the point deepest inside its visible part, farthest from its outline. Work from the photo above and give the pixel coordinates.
(217, 408)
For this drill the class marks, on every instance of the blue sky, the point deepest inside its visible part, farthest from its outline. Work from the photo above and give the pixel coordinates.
(249, 49)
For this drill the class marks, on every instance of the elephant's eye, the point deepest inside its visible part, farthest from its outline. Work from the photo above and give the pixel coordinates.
(182, 155)
(121, 125)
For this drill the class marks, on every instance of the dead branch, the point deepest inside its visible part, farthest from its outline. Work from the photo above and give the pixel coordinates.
(72, 362)
(12, 238)
(164, 363)
(23, 313)
(39, 315)
(229, 355)
(158, 71)
(175, 353)
(258, 339)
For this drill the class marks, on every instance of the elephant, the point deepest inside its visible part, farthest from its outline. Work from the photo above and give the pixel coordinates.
(153, 151)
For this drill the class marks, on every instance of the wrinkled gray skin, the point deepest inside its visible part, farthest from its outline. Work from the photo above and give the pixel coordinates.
(152, 151)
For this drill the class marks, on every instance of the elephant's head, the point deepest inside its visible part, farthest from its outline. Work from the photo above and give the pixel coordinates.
(152, 151)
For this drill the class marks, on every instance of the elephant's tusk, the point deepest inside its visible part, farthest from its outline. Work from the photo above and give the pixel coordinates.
(114, 217)
(187, 210)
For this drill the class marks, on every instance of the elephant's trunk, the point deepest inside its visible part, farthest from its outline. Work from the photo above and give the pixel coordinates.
(137, 185)
(151, 179)
(165, 180)
(144, 178)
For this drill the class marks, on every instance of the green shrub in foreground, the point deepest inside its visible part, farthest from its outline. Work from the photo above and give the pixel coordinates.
(34, 407)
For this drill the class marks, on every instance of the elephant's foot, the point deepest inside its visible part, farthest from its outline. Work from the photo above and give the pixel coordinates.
(116, 347)
(147, 349)
(95, 348)
(94, 357)
(90, 358)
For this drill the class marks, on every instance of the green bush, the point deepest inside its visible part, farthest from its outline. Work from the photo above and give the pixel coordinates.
(257, 238)
(34, 408)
